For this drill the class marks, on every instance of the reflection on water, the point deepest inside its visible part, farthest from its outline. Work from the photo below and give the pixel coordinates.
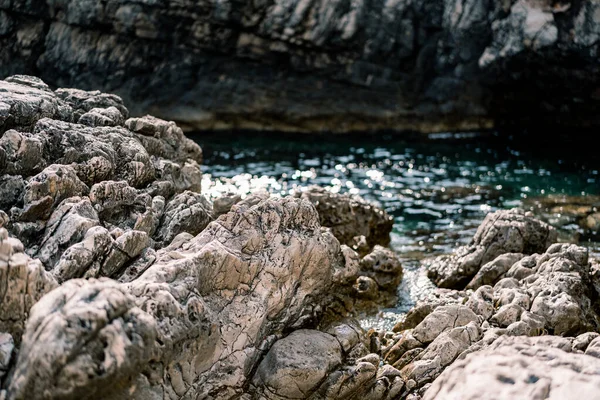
(437, 190)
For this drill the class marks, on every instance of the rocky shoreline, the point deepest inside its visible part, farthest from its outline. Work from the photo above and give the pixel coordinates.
(119, 280)
(320, 66)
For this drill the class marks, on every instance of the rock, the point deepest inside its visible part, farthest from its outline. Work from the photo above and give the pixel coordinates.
(204, 311)
(11, 191)
(383, 266)
(104, 340)
(23, 282)
(66, 226)
(295, 365)
(164, 139)
(504, 231)
(350, 216)
(593, 348)
(366, 288)
(441, 353)
(223, 204)
(560, 291)
(491, 272)
(47, 189)
(188, 212)
(26, 100)
(583, 341)
(347, 382)
(481, 302)
(82, 102)
(102, 117)
(439, 297)
(514, 367)
(7, 346)
(441, 66)
(442, 319)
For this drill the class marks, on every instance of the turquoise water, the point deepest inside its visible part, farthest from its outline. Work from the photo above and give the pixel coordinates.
(437, 188)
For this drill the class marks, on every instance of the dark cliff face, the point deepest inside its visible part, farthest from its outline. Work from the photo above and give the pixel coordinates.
(319, 64)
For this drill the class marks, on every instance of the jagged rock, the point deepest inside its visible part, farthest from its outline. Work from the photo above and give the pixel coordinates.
(439, 297)
(86, 338)
(82, 101)
(442, 319)
(203, 312)
(188, 212)
(505, 231)
(366, 288)
(347, 382)
(110, 116)
(7, 346)
(11, 191)
(441, 353)
(491, 272)
(296, 364)
(350, 216)
(583, 341)
(23, 282)
(560, 290)
(47, 189)
(164, 139)
(317, 66)
(223, 204)
(24, 100)
(383, 266)
(520, 367)
(481, 302)
(66, 226)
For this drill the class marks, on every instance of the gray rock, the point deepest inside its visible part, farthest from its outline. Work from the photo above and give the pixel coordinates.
(188, 212)
(23, 281)
(383, 266)
(11, 191)
(296, 365)
(504, 231)
(7, 346)
(350, 216)
(491, 272)
(442, 319)
(110, 116)
(215, 302)
(514, 367)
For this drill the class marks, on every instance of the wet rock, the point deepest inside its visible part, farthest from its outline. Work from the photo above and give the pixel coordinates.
(504, 231)
(350, 216)
(296, 364)
(516, 366)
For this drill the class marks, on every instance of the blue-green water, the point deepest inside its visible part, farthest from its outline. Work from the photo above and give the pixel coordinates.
(438, 189)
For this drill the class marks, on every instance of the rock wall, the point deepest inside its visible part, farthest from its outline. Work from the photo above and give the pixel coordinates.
(319, 65)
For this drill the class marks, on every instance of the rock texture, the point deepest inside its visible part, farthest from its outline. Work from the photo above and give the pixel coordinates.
(520, 367)
(314, 65)
(118, 281)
